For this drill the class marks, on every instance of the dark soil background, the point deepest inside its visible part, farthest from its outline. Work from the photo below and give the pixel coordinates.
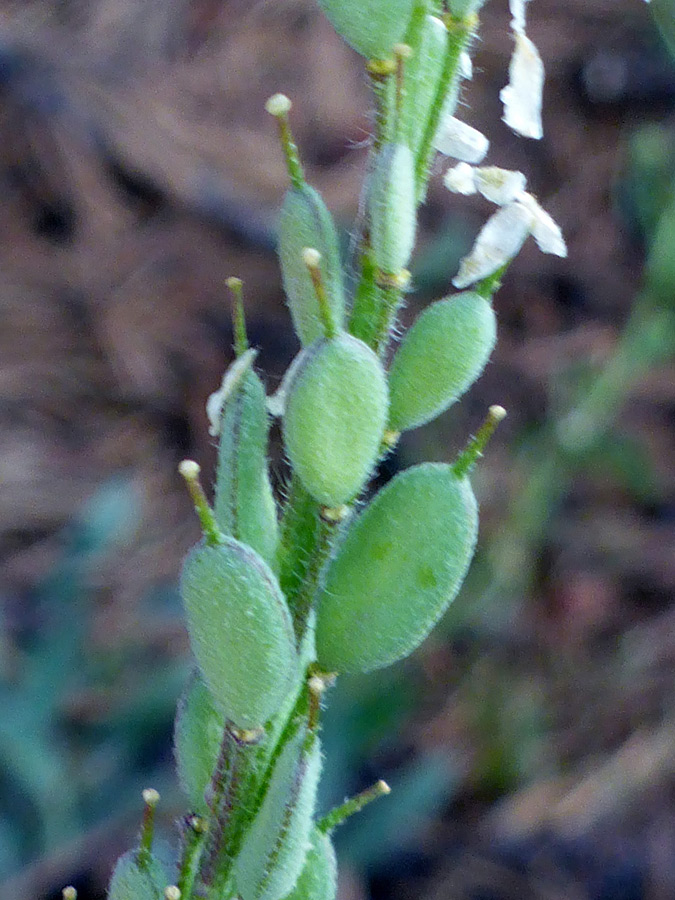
(530, 744)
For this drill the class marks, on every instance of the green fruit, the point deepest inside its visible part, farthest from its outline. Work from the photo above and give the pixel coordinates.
(400, 564)
(371, 26)
(240, 630)
(198, 736)
(132, 882)
(244, 504)
(422, 78)
(306, 222)
(393, 208)
(318, 879)
(335, 415)
(275, 847)
(440, 357)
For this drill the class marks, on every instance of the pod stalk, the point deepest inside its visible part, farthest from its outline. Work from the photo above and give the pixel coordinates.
(190, 471)
(474, 449)
(151, 799)
(355, 804)
(279, 106)
(241, 344)
(312, 259)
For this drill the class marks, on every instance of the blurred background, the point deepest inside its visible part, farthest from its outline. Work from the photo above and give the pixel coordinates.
(530, 743)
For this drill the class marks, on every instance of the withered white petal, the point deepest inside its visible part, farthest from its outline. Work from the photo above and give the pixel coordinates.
(497, 243)
(461, 141)
(461, 179)
(545, 230)
(465, 66)
(500, 186)
(231, 379)
(517, 8)
(522, 96)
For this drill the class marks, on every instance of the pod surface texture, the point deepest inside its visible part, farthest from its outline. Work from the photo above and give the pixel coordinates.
(440, 357)
(336, 411)
(240, 630)
(318, 879)
(131, 882)
(401, 563)
(198, 735)
(371, 26)
(306, 222)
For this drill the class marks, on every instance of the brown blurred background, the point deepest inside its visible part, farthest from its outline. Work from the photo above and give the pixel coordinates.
(531, 742)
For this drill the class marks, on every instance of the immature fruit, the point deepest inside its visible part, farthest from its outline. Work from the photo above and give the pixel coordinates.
(401, 563)
(132, 882)
(240, 630)
(371, 26)
(306, 222)
(244, 503)
(275, 847)
(335, 415)
(198, 736)
(393, 205)
(422, 77)
(318, 879)
(440, 357)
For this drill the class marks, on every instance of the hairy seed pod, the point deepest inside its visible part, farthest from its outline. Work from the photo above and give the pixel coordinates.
(440, 357)
(336, 410)
(399, 566)
(276, 844)
(393, 205)
(198, 735)
(306, 222)
(240, 630)
(371, 26)
(422, 78)
(130, 881)
(318, 879)
(244, 503)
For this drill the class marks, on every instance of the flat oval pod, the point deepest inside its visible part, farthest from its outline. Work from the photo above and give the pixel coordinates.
(440, 357)
(240, 630)
(371, 26)
(393, 208)
(318, 879)
(133, 882)
(306, 222)
(275, 847)
(336, 411)
(401, 563)
(244, 503)
(198, 736)
(422, 78)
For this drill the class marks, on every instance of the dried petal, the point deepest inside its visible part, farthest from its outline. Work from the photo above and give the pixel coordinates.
(522, 97)
(461, 141)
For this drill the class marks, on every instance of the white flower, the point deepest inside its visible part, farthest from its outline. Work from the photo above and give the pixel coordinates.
(461, 179)
(500, 186)
(461, 141)
(522, 96)
(504, 234)
(465, 66)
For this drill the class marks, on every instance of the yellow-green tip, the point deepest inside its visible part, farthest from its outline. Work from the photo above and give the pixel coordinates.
(69, 893)
(172, 892)
(189, 469)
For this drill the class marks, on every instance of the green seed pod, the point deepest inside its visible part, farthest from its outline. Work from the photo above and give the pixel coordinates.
(198, 736)
(439, 359)
(275, 847)
(371, 26)
(306, 222)
(393, 205)
(240, 630)
(318, 879)
(422, 78)
(399, 566)
(463, 8)
(244, 504)
(336, 410)
(132, 882)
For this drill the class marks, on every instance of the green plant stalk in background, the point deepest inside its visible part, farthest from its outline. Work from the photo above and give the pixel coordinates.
(281, 598)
